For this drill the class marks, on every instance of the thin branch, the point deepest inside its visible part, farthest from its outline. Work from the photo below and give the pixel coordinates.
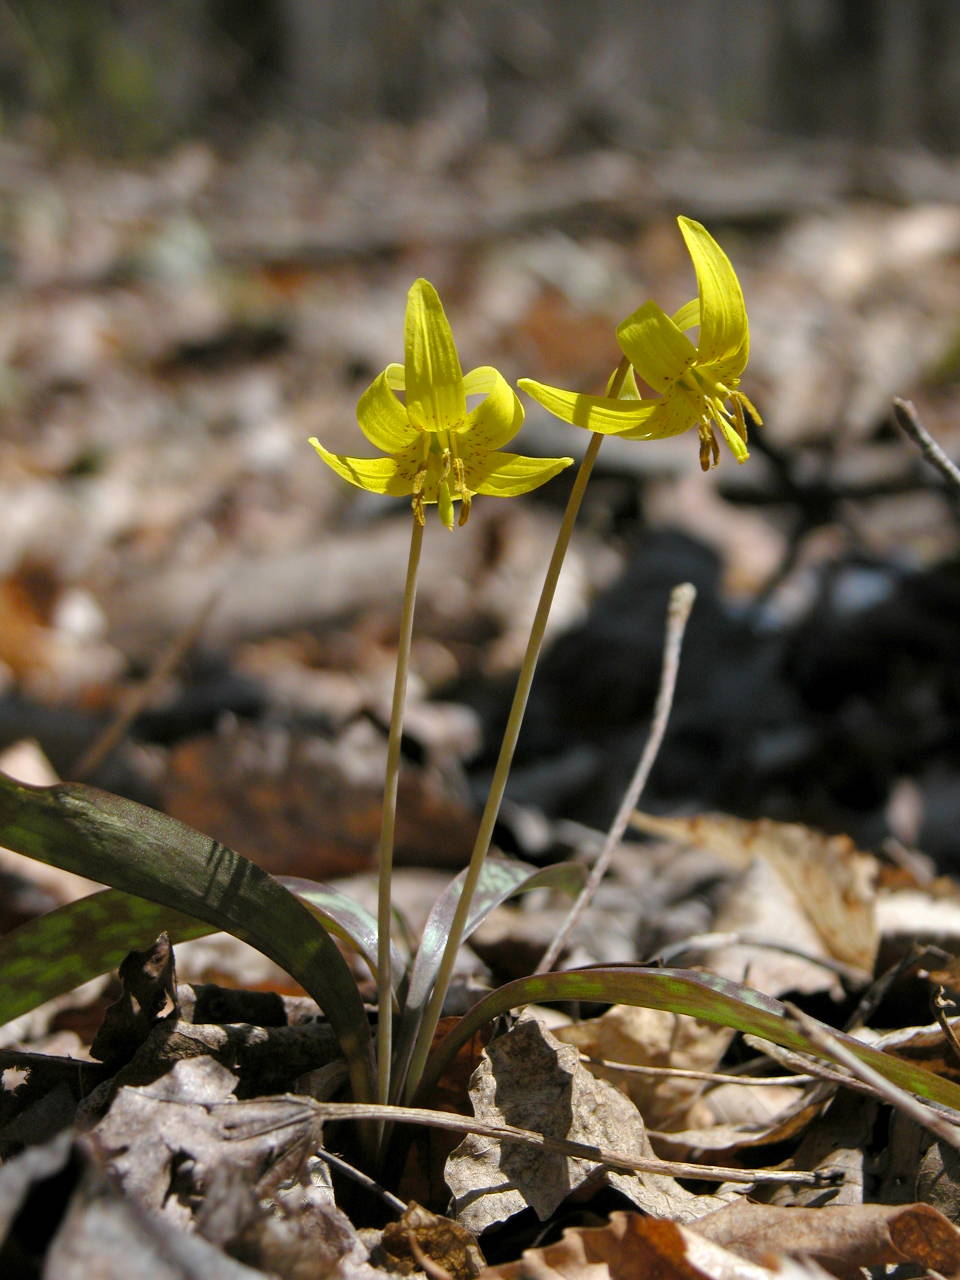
(906, 416)
(688, 1073)
(324, 1111)
(941, 1002)
(363, 1179)
(917, 1111)
(712, 941)
(682, 598)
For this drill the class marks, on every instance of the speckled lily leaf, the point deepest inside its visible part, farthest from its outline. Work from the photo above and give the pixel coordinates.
(701, 995)
(345, 919)
(143, 852)
(56, 952)
(500, 879)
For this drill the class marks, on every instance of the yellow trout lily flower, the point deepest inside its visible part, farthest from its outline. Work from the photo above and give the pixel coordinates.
(438, 451)
(696, 385)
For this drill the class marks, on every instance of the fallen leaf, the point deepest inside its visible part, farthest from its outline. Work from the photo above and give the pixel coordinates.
(148, 980)
(652, 1037)
(529, 1079)
(842, 1238)
(418, 1233)
(631, 1247)
(827, 880)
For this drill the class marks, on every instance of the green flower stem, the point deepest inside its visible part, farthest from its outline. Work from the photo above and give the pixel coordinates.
(389, 820)
(507, 747)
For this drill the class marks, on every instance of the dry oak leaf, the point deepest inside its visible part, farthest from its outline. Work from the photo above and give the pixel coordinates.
(527, 1078)
(657, 1038)
(419, 1234)
(833, 882)
(631, 1247)
(841, 1238)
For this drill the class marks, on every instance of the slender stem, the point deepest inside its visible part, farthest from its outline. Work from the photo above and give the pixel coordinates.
(389, 820)
(498, 783)
(906, 416)
(678, 612)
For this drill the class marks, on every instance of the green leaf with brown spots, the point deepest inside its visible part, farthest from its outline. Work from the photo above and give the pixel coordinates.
(153, 856)
(701, 995)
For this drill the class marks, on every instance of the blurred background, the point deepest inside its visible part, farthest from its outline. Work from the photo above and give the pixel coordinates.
(211, 213)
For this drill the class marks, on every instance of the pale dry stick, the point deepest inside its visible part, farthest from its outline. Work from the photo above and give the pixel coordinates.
(166, 662)
(357, 1175)
(324, 1111)
(688, 1073)
(711, 941)
(917, 1111)
(682, 599)
(835, 1074)
(906, 415)
(941, 1002)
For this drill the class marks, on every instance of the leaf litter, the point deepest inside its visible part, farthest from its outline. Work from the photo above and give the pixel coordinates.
(117, 536)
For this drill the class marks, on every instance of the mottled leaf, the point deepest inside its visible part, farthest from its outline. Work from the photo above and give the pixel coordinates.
(143, 852)
(500, 879)
(701, 995)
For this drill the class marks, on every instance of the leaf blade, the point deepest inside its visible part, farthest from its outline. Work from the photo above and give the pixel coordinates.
(701, 995)
(153, 856)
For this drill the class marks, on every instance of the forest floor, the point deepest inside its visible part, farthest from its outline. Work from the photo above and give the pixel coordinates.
(176, 556)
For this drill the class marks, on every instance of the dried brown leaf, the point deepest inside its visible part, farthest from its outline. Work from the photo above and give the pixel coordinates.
(527, 1078)
(652, 1037)
(419, 1234)
(832, 882)
(631, 1247)
(842, 1238)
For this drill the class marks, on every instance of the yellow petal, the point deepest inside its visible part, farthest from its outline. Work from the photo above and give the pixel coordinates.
(434, 379)
(505, 474)
(596, 413)
(673, 413)
(378, 475)
(724, 331)
(656, 348)
(382, 418)
(628, 387)
(688, 316)
(497, 418)
(396, 377)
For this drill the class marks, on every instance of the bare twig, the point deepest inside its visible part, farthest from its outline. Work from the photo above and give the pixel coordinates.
(142, 694)
(941, 1002)
(918, 1111)
(678, 613)
(364, 1180)
(687, 1073)
(712, 941)
(324, 1111)
(906, 416)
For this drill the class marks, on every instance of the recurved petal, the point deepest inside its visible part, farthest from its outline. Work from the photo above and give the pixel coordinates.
(655, 347)
(382, 418)
(393, 476)
(434, 379)
(724, 331)
(498, 417)
(669, 416)
(688, 315)
(503, 475)
(596, 413)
